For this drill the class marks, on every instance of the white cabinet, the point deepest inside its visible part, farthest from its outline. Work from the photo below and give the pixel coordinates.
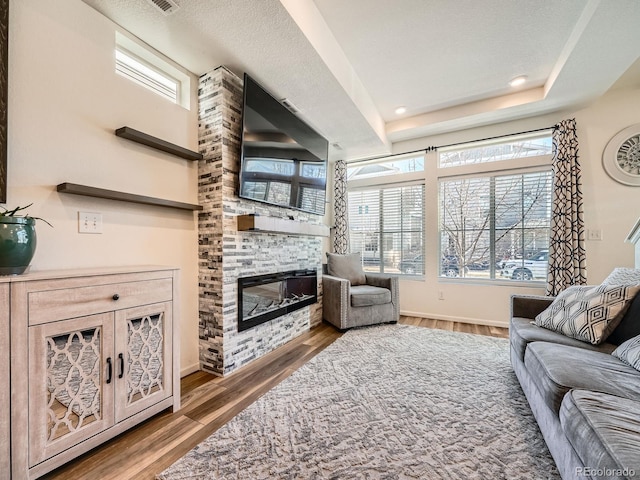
(92, 355)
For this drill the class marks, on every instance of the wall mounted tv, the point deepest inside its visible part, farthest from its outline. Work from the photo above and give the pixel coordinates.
(283, 160)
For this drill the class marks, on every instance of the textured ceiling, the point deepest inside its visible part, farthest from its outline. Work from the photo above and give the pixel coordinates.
(347, 64)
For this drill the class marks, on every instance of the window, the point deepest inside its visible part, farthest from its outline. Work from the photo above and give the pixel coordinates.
(494, 224)
(386, 226)
(132, 68)
(386, 214)
(141, 65)
(523, 147)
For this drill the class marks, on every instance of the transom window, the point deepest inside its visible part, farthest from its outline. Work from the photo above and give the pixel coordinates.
(130, 67)
(515, 148)
(143, 66)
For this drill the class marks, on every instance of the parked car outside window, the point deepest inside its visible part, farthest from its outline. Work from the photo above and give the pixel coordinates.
(530, 269)
(415, 266)
(412, 266)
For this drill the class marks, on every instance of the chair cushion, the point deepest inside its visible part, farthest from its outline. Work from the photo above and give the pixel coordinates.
(556, 369)
(368, 295)
(629, 352)
(604, 430)
(588, 313)
(347, 266)
(523, 331)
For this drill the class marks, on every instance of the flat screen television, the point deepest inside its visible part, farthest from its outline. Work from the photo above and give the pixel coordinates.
(283, 160)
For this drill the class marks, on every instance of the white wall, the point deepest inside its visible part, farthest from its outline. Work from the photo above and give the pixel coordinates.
(65, 101)
(608, 205)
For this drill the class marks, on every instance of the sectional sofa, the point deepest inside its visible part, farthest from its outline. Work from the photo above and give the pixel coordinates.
(584, 395)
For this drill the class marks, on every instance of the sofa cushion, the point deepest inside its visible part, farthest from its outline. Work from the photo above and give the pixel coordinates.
(604, 430)
(629, 352)
(588, 313)
(523, 331)
(347, 266)
(556, 369)
(368, 295)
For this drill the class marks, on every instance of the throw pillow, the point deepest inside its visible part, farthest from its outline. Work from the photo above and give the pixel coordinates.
(629, 325)
(588, 313)
(629, 352)
(347, 266)
(623, 276)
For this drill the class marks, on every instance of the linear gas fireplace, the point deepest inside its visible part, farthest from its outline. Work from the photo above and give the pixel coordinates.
(264, 297)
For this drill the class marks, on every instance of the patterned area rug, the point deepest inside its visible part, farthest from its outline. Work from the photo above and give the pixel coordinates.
(384, 402)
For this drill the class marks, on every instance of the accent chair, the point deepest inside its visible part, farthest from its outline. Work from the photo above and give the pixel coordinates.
(353, 298)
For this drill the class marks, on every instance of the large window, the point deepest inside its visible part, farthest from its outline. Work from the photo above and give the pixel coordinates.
(386, 214)
(494, 223)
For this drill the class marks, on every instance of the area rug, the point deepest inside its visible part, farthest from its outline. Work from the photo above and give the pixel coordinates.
(384, 402)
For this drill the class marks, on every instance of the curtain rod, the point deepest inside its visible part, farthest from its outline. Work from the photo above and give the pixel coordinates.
(430, 149)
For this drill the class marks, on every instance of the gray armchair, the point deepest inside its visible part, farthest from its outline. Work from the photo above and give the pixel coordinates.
(351, 298)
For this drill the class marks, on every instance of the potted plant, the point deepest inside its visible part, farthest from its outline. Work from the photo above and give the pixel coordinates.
(17, 240)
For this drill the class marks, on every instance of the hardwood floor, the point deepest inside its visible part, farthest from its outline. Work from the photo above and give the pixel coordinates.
(208, 402)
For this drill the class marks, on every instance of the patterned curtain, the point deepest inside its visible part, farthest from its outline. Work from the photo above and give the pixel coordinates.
(566, 244)
(340, 209)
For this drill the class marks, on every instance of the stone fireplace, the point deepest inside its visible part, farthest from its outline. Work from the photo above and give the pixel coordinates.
(226, 254)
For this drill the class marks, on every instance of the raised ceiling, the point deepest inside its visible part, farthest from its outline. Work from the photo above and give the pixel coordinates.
(346, 65)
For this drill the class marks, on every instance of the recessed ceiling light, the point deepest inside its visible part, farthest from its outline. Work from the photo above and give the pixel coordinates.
(400, 110)
(516, 82)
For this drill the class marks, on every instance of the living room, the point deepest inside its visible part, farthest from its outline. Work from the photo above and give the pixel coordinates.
(65, 101)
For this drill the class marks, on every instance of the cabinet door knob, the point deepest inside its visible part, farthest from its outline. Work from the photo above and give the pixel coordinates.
(116, 296)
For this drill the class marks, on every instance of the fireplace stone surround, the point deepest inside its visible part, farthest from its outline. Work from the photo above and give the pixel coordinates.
(226, 254)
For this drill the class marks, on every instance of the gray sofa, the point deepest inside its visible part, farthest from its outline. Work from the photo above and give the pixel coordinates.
(585, 400)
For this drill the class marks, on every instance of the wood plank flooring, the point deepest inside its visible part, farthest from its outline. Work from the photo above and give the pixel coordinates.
(208, 402)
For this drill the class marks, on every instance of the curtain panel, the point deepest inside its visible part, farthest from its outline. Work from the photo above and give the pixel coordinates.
(566, 243)
(340, 209)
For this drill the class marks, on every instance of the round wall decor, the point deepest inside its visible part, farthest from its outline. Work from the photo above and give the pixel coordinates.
(621, 157)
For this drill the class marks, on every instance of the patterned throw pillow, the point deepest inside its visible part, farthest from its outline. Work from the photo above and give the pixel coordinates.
(588, 313)
(629, 352)
(623, 276)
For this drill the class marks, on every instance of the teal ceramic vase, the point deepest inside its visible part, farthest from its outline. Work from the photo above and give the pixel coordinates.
(17, 244)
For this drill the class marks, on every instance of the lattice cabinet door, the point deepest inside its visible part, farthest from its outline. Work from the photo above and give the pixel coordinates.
(71, 383)
(144, 364)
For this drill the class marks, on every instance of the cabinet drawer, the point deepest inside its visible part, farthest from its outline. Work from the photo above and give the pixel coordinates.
(59, 304)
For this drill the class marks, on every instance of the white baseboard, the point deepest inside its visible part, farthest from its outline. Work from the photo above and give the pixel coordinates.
(189, 369)
(474, 321)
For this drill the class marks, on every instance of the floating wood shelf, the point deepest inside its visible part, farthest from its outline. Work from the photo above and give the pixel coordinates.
(145, 139)
(76, 189)
(266, 224)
